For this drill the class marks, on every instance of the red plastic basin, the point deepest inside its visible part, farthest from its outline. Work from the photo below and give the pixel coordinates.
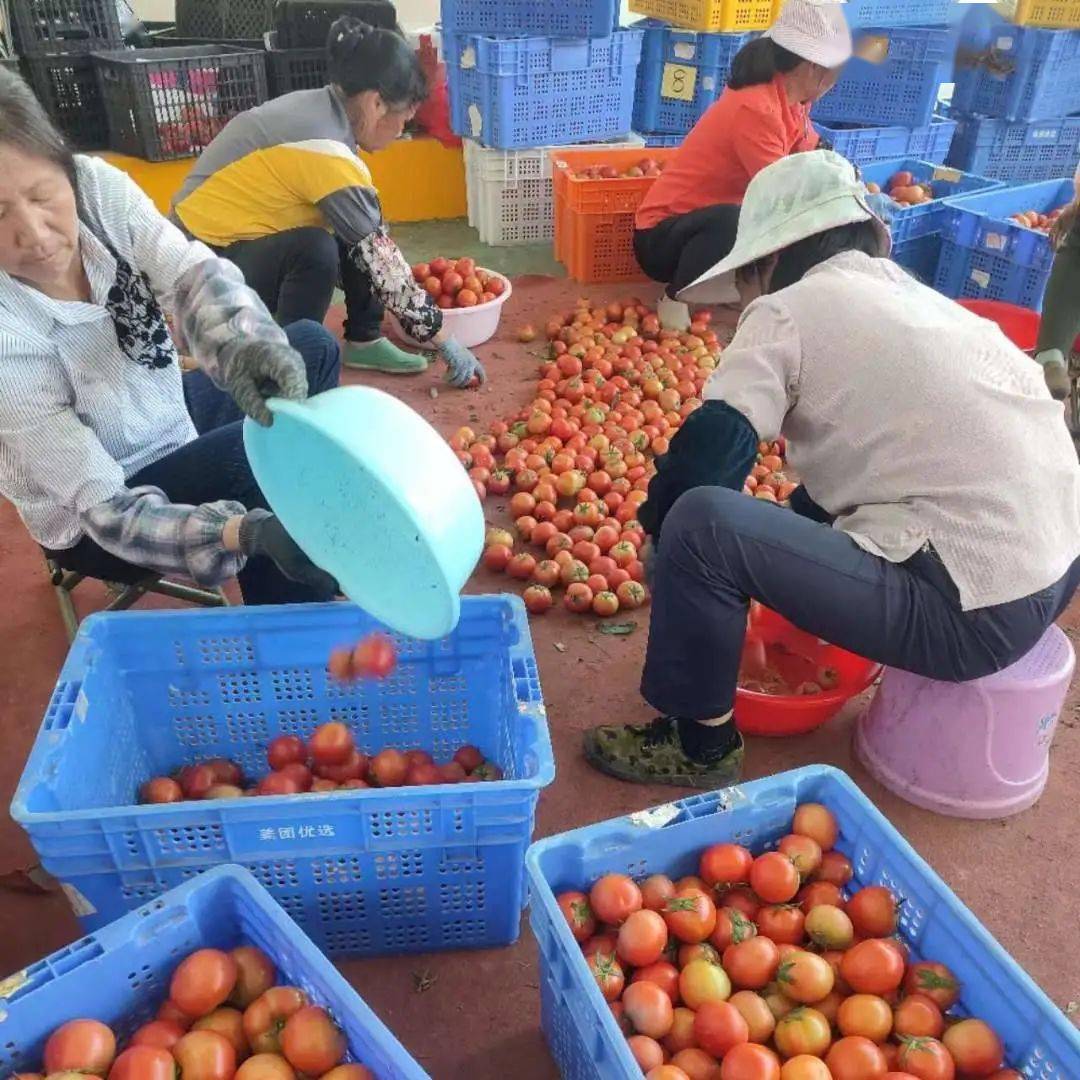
(774, 715)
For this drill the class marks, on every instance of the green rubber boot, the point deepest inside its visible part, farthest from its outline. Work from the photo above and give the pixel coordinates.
(382, 355)
(653, 754)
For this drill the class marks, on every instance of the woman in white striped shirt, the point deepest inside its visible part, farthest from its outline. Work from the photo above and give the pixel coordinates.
(116, 463)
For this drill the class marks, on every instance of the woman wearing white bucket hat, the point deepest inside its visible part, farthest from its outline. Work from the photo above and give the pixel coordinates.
(689, 218)
(938, 526)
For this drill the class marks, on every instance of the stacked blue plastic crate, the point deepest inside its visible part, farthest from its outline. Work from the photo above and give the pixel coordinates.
(1017, 101)
(888, 110)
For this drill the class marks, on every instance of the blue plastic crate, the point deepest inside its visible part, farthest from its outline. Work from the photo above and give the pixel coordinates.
(566, 18)
(926, 219)
(1022, 151)
(860, 13)
(919, 257)
(1014, 72)
(681, 74)
(534, 91)
(986, 256)
(863, 144)
(120, 975)
(577, 1022)
(662, 138)
(901, 90)
(364, 872)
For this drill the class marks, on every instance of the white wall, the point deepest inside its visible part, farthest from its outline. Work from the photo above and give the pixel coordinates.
(411, 13)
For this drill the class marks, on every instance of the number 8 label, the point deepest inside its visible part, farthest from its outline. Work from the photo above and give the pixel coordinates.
(679, 82)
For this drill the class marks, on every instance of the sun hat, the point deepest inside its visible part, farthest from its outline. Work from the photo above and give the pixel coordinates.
(816, 30)
(793, 198)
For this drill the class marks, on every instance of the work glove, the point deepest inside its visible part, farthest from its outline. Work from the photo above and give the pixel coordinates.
(461, 365)
(258, 370)
(261, 533)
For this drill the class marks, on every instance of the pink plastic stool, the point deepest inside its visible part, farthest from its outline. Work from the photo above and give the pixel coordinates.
(972, 750)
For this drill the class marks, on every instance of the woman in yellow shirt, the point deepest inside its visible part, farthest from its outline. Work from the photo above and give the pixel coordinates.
(282, 193)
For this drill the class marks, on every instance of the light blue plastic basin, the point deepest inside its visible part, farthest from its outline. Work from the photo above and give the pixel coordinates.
(374, 495)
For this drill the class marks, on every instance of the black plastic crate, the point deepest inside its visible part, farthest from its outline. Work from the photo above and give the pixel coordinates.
(169, 103)
(65, 26)
(224, 20)
(293, 69)
(67, 87)
(169, 38)
(305, 24)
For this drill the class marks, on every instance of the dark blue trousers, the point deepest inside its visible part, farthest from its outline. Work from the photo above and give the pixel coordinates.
(720, 549)
(215, 466)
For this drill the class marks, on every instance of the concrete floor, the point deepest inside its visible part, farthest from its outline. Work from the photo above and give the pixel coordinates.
(480, 1016)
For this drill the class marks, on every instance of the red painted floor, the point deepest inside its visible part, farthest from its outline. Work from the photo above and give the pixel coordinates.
(479, 1018)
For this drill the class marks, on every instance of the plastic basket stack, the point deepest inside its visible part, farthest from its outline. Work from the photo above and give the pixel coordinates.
(55, 39)
(885, 111)
(1017, 94)
(530, 73)
(1017, 102)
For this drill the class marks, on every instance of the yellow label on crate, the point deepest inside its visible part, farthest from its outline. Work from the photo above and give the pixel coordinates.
(679, 82)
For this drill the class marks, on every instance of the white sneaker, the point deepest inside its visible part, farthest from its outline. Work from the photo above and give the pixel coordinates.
(1055, 372)
(673, 314)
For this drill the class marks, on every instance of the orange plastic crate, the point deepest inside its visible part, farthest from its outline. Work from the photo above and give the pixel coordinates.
(617, 195)
(596, 248)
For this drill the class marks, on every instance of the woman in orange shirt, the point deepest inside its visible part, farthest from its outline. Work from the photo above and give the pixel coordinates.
(689, 218)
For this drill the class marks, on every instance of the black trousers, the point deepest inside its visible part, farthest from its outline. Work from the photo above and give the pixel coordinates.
(680, 249)
(295, 273)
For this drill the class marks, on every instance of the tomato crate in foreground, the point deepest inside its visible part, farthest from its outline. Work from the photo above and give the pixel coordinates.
(987, 256)
(120, 974)
(603, 196)
(579, 1027)
(725, 15)
(364, 872)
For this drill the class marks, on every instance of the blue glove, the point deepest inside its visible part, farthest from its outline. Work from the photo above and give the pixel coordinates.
(883, 206)
(461, 365)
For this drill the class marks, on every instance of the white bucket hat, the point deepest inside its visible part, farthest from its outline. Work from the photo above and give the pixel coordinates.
(816, 30)
(796, 197)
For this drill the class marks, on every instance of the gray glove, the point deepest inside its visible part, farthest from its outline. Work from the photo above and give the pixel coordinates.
(261, 533)
(461, 365)
(257, 370)
(883, 206)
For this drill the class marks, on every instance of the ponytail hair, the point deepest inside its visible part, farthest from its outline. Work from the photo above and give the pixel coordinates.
(759, 62)
(361, 57)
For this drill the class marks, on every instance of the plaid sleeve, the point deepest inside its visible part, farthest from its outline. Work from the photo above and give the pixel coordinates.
(142, 527)
(393, 283)
(215, 312)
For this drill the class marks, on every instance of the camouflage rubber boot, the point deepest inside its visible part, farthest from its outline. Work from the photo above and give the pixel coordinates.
(653, 754)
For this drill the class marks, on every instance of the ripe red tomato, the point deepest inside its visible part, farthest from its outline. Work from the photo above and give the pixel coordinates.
(725, 864)
(748, 1061)
(521, 566)
(311, 1041)
(196, 780)
(642, 939)
(161, 789)
(538, 599)
(389, 768)
(227, 1022)
(975, 1047)
(874, 966)
(331, 744)
(835, 867)
(605, 603)
(732, 926)
(266, 1067)
(817, 822)
(934, 980)
(855, 1058)
(818, 893)
(255, 974)
(608, 973)
(265, 1017)
(690, 915)
(719, 1027)
(752, 963)
(452, 282)
(497, 557)
(171, 1013)
(163, 1034)
(873, 912)
(648, 1007)
(665, 975)
(805, 977)
(439, 266)
(656, 890)
(80, 1046)
(300, 774)
(918, 1015)
(803, 851)
(774, 877)
(354, 767)
(374, 657)
(144, 1062)
(203, 981)
(926, 1059)
(469, 758)
(340, 667)
(349, 1072)
(578, 597)
(205, 1055)
(466, 298)
(784, 923)
(284, 750)
(578, 914)
(277, 783)
(614, 897)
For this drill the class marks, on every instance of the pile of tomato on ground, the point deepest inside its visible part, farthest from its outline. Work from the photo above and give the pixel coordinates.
(225, 1019)
(760, 969)
(613, 388)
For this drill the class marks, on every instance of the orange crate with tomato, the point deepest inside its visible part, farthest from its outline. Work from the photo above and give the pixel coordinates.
(607, 181)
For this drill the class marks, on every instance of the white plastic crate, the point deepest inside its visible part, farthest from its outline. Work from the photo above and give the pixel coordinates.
(509, 192)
